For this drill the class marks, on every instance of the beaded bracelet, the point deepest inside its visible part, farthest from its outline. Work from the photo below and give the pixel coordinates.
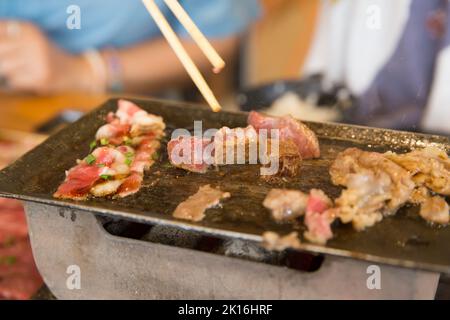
(97, 65)
(114, 66)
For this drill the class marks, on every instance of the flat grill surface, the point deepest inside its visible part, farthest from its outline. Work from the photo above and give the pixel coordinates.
(404, 240)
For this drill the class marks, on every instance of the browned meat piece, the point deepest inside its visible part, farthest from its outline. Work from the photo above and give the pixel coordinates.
(363, 200)
(195, 206)
(289, 129)
(376, 187)
(435, 209)
(241, 146)
(275, 242)
(429, 167)
(286, 204)
(419, 195)
(188, 153)
(288, 157)
(235, 146)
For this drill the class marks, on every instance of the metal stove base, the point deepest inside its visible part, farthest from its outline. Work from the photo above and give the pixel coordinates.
(120, 268)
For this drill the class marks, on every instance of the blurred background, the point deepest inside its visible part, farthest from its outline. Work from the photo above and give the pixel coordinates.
(370, 62)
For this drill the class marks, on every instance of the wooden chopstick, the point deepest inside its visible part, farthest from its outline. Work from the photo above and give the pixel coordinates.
(182, 54)
(197, 35)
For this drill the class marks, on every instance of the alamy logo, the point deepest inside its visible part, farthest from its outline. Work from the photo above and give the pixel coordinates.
(227, 146)
(374, 280)
(73, 281)
(73, 21)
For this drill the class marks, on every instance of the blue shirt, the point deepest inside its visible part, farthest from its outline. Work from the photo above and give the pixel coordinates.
(398, 95)
(119, 23)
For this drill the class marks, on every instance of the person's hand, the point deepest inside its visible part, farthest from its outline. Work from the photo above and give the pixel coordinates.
(30, 62)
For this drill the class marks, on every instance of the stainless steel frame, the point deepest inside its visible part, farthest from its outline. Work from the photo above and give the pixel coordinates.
(119, 268)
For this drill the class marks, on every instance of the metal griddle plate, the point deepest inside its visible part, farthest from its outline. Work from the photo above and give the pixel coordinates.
(404, 240)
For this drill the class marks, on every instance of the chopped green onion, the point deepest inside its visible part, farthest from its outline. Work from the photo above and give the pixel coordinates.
(155, 156)
(101, 165)
(8, 260)
(104, 141)
(9, 242)
(105, 176)
(128, 141)
(92, 145)
(129, 157)
(90, 159)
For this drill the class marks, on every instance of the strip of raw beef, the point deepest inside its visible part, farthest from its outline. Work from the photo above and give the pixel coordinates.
(103, 162)
(144, 158)
(128, 144)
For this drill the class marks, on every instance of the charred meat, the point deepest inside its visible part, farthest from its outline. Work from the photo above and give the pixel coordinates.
(288, 157)
(288, 129)
(234, 146)
(193, 154)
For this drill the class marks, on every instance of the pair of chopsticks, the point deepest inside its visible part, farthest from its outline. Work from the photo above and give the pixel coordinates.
(180, 51)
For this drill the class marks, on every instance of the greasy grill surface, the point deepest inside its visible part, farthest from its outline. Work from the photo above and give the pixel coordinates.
(404, 239)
